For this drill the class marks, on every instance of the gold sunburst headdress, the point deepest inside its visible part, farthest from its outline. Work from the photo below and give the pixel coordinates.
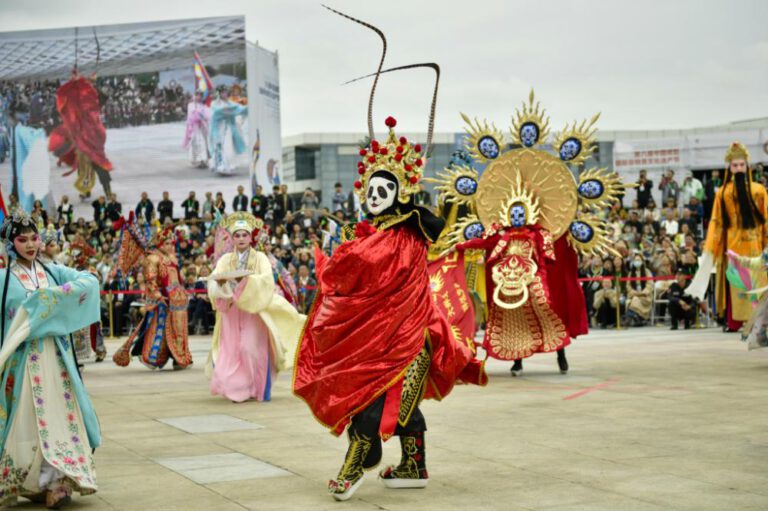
(457, 184)
(599, 188)
(531, 125)
(483, 142)
(576, 143)
(521, 207)
(526, 184)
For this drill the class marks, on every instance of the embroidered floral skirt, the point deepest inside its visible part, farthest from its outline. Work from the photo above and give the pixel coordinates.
(47, 431)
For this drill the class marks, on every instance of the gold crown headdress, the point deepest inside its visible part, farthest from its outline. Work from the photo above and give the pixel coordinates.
(396, 155)
(737, 151)
(241, 221)
(164, 235)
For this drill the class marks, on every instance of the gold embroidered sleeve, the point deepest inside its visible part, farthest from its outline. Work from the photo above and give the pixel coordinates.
(152, 277)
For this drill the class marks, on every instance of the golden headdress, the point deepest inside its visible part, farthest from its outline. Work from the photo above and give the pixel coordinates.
(163, 235)
(398, 157)
(736, 151)
(241, 221)
(528, 185)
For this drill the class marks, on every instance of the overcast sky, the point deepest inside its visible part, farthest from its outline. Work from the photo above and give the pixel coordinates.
(644, 64)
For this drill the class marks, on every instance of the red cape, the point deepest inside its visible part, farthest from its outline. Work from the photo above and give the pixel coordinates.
(567, 295)
(371, 317)
(81, 129)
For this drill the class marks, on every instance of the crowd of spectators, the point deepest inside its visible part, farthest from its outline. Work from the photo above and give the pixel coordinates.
(295, 225)
(651, 242)
(125, 101)
(658, 247)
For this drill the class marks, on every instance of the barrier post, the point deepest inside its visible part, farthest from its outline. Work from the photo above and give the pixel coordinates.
(617, 287)
(110, 302)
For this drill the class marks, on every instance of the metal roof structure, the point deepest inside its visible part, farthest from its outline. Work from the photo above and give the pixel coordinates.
(129, 48)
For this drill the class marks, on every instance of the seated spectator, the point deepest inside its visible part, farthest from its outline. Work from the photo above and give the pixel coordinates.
(682, 306)
(606, 303)
(638, 293)
(669, 224)
(652, 211)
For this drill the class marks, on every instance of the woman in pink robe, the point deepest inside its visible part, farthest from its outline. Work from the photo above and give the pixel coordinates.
(256, 329)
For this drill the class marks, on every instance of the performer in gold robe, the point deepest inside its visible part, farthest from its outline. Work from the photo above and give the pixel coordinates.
(738, 223)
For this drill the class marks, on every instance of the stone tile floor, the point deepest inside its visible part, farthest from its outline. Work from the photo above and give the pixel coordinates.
(647, 419)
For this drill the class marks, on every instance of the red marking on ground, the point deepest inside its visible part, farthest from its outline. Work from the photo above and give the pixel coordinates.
(593, 388)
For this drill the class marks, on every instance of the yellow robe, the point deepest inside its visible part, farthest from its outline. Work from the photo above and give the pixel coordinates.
(745, 242)
(284, 322)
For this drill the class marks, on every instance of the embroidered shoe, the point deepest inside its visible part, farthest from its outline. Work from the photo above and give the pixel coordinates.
(412, 470)
(351, 474)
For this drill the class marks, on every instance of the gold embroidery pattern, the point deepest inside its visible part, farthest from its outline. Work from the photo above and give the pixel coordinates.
(408, 467)
(552, 327)
(352, 469)
(519, 333)
(413, 385)
(514, 274)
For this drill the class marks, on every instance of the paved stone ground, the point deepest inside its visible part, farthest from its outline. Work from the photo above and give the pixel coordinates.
(646, 420)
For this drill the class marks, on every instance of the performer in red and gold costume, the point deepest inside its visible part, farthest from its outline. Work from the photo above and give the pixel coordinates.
(738, 224)
(80, 138)
(162, 334)
(374, 344)
(530, 217)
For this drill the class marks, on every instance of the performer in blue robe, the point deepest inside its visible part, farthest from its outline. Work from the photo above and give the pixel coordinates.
(47, 422)
(225, 140)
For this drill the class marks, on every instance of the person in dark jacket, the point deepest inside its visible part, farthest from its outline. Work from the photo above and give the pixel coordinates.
(165, 208)
(145, 210)
(682, 306)
(240, 202)
(191, 207)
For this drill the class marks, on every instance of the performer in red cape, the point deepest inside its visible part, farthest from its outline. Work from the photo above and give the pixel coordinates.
(374, 344)
(80, 138)
(532, 217)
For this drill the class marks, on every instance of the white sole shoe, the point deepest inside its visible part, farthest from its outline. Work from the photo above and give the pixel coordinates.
(341, 497)
(400, 484)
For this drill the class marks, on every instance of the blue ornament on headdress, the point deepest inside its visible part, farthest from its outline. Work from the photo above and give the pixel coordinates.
(591, 189)
(488, 147)
(529, 134)
(570, 149)
(473, 230)
(466, 185)
(581, 231)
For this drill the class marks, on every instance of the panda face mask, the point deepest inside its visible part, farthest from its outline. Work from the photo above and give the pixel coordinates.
(381, 194)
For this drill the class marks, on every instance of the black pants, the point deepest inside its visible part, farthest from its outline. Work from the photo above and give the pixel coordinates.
(606, 314)
(200, 310)
(367, 422)
(677, 313)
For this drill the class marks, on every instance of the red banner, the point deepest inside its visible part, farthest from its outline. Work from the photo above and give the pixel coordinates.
(449, 292)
